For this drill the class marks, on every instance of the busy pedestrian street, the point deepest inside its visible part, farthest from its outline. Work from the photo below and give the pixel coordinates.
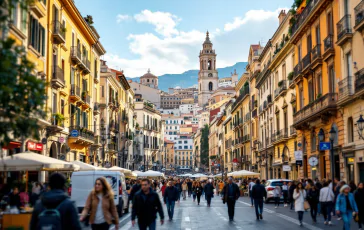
(190, 216)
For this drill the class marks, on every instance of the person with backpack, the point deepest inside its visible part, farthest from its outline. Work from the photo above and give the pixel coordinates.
(101, 207)
(55, 210)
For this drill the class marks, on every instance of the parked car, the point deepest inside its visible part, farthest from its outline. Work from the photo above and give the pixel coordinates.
(271, 184)
(83, 182)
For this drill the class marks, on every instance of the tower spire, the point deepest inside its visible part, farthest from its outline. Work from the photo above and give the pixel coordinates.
(207, 40)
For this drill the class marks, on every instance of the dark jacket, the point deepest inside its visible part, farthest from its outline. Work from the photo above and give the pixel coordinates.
(189, 185)
(209, 189)
(14, 200)
(291, 191)
(198, 190)
(170, 193)
(225, 192)
(258, 192)
(359, 199)
(145, 207)
(68, 211)
(313, 196)
(179, 187)
(134, 190)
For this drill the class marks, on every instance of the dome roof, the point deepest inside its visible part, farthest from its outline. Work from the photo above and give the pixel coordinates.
(148, 75)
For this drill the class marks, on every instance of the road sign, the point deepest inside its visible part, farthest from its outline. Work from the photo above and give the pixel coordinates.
(74, 133)
(298, 163)
(61, 139)
(325, 146)
(298, 155)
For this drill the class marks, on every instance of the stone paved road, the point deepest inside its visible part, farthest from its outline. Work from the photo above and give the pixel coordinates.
(189, 216)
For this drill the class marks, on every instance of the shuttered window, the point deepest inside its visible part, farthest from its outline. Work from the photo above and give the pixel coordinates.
(36, 35)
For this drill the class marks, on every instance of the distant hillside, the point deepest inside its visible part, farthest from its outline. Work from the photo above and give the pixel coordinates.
(190, 77)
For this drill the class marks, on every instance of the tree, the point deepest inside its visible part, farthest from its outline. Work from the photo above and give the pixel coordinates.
(22, 94)
(204, 155)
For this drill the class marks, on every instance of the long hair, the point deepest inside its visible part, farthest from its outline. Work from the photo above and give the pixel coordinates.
(106, 188)
(297, 187)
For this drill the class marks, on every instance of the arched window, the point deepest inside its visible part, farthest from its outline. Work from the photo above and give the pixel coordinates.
(209, 65)
(210, 86)
(350, 130)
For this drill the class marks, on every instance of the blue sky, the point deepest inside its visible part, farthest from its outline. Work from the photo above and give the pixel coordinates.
(166, 35)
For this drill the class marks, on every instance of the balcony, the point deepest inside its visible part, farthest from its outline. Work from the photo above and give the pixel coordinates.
(329, 50)
(279, 136)
(265, 72)
(38, 8)
(244, 92)
(57, 77)
(315, 110)
(246, 138)
(96, 108)
(112, 147)
(254, 113)
(260, 109)
(359, 81)
(344, 31)
(297, 71)
(265, 105)
(359, 16)
(58, 33)
(84, 137)
(306, 63)
(75, 94)
(76, 54)
(247, 117)
(87, 65)
(281, 90)
(269, 98)
(292, 131)
(345, 90)
(56, 124)
(86, 99)
(316, 58)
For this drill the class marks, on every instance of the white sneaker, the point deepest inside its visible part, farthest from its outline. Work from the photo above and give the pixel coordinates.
(339, 218)
(330, 223)
(276, 206)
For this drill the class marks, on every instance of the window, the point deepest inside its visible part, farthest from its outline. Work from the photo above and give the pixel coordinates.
(209, 66)
(319, 84)
(284, 72)
(36, 35)
(332, 79)
(310, 91)
(350, 130)
(348, 64)
(54, 104)
(330, 24)
(313, 141)
(301, 98)
(318, 36)
(62, 106)
(210, 86)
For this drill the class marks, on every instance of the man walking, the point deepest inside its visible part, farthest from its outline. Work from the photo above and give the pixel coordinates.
(258, 193)
(146, 204)
(55, 201)
(209, 192)
(230, 194)
(250, 186)
(189, 185)
(170, 198)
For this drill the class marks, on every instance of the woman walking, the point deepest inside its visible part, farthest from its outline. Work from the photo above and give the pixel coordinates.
(198, 190)
(285, 193)
(194, 185)
(313, 196)
(184, 189)
(359, 199)
(277, 196)
(100, 205)
(327, 197)
(299, 196)
(346, 205)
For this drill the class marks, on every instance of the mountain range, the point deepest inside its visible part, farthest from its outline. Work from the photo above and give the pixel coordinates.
(190, 77)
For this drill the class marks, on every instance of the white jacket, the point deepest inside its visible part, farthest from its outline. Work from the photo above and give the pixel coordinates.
(326, 195)
(299, 198)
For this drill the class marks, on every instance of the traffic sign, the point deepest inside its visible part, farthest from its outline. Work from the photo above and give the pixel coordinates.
(74, 133)
(61, 139)
(325, 146)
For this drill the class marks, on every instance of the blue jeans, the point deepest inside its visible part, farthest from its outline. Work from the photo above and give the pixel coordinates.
(258, 203)
(151, 226)
(170, 208)
(347, 217)
(319, 208)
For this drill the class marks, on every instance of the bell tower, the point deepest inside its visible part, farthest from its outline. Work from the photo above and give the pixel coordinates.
(208, 76)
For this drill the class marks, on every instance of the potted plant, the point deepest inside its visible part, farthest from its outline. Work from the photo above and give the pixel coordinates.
(280, 83)
(83, 95)
(286, 39)
(63, 29)
(318, 96)
(58, 118)
(290, 76)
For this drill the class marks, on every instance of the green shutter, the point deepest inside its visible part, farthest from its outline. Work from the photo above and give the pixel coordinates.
(43, 41)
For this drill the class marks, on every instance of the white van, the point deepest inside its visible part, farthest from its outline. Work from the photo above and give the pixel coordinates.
(83, 182)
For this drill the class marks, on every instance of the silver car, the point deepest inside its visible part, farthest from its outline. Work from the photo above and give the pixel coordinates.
(271, 184)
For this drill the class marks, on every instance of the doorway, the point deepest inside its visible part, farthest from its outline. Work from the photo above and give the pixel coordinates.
(361, 171)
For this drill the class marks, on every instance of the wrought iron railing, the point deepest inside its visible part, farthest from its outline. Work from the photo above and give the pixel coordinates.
(359, 13)
(329, 42)
(345, 87)
(344, 26)
(359, 80)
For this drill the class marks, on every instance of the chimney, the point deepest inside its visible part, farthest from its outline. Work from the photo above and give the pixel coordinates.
(281, 16)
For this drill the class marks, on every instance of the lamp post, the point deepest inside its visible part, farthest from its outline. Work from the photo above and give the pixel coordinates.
(321, 136)
(266, 157)
(360, 126)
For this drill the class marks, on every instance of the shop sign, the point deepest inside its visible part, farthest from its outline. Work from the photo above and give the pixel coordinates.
(325, 146)
(350, 160)
(287, 168)
(34, 146)
(61, 140)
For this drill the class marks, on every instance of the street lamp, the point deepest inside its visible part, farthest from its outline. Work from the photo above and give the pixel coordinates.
(266, 157)
(332, 138)
(360, 125)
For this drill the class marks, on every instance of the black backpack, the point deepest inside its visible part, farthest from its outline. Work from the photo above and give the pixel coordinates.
(50, 219)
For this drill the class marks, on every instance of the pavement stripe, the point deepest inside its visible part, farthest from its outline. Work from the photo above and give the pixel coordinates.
(295, 221)
(264, 209)
(126, 227)
(120, 221)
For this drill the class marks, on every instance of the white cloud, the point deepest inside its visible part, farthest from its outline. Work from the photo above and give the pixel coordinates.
(252, 15)
(165, 23)
(122, 17)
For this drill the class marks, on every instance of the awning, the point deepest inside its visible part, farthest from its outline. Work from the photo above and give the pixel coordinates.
(86, 167)
(243, 173)
(29, 161)
(126, 172)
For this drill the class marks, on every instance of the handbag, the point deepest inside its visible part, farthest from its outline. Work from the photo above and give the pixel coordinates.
(356, 218)
(306, 205)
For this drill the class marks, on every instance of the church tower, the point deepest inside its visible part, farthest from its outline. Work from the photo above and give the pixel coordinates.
(207, 77)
